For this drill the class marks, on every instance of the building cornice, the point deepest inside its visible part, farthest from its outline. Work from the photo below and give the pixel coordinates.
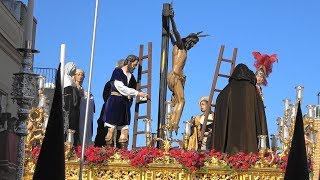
(10, 50)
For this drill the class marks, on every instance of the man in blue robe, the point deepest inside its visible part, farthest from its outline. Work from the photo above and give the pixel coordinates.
(117, 108)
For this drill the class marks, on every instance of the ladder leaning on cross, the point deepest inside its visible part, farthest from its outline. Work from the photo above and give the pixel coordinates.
(214, 83)
(140, 87)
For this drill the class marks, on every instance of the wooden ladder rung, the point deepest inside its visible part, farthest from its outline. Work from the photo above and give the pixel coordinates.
(223, 75)
(144, 72)
(141, 102)
(142, 117)
(140, 132)
(145, 56)
(143, 87)
(226, 60)
(217, 90)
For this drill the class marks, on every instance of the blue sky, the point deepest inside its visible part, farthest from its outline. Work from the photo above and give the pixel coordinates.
(287, 28)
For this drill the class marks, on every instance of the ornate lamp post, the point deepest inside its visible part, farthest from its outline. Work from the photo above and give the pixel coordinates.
(25, 88)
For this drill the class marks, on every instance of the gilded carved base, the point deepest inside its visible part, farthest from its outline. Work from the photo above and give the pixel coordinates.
(162, 171)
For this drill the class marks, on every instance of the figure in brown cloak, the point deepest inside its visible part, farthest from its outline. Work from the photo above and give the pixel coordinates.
(239, 114)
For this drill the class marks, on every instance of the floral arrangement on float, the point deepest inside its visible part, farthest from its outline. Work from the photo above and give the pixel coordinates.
(190, 160)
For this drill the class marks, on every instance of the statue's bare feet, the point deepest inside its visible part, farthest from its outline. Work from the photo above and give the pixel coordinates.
(176, 127)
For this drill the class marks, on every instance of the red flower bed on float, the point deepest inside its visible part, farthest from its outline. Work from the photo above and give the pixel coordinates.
(191, 160)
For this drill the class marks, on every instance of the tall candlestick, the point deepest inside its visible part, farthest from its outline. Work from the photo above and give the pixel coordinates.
(280, 121)
(317, 111)
(274, 144)
(62, 62)
(147, 125)
(187, 129)
(45, 121)
(310, 109)
(313, 137)
(299, 92)
(154, 135)
(262, 142)
(70, 136)
(28, 25)
(41, 80)
(285, 133)
(168, 107)
(293, 110)
(42, 100)
(286, 104)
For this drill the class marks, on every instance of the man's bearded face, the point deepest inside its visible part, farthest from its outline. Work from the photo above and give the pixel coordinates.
(132, 66)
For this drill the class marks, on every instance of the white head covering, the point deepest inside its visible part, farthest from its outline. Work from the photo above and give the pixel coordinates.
(205, 98)
(68, 69)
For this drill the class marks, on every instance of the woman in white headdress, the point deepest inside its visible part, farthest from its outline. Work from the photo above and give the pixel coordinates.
(197, 125)
(79, 77)
(71, 102)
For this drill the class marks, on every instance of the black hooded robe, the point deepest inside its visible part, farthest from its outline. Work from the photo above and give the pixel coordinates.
(239, 114)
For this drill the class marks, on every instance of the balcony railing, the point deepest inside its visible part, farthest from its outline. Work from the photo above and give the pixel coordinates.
(49, 73)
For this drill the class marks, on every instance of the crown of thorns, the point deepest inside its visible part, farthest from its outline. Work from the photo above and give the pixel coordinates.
(198, 34)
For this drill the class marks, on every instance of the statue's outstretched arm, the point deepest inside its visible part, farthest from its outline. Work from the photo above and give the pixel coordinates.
(173, 41)
(179, 41)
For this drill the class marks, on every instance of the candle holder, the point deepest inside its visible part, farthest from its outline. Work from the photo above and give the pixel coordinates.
(187, 129)
(262, 145)
(285, 148)
(148, 131)
(70, 136)
(310, 113)
(286, 133)
(274, 142)
(147, 126)
(186, 134)
(287, 109)
(42, 100)
(317, 112)
(41, 81)
(293, 110)
(264, 151)
(299, 90)
(69, 143)
(148, 139)
(280, 122)
(286, 126)
(310, 135)
(154, 135)
(168, 140)
(169, 109)
(265, 161)
(45, 121)
(285, 140)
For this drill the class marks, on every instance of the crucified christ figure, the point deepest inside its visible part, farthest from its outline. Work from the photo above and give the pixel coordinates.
(176, 78)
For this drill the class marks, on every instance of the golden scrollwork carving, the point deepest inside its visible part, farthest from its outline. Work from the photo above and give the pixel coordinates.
(117, 158)
(165, 175)
(266, 159)
(72, 171)
(116, 173)
(35, 127)
(125, 171)
(215, 162)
